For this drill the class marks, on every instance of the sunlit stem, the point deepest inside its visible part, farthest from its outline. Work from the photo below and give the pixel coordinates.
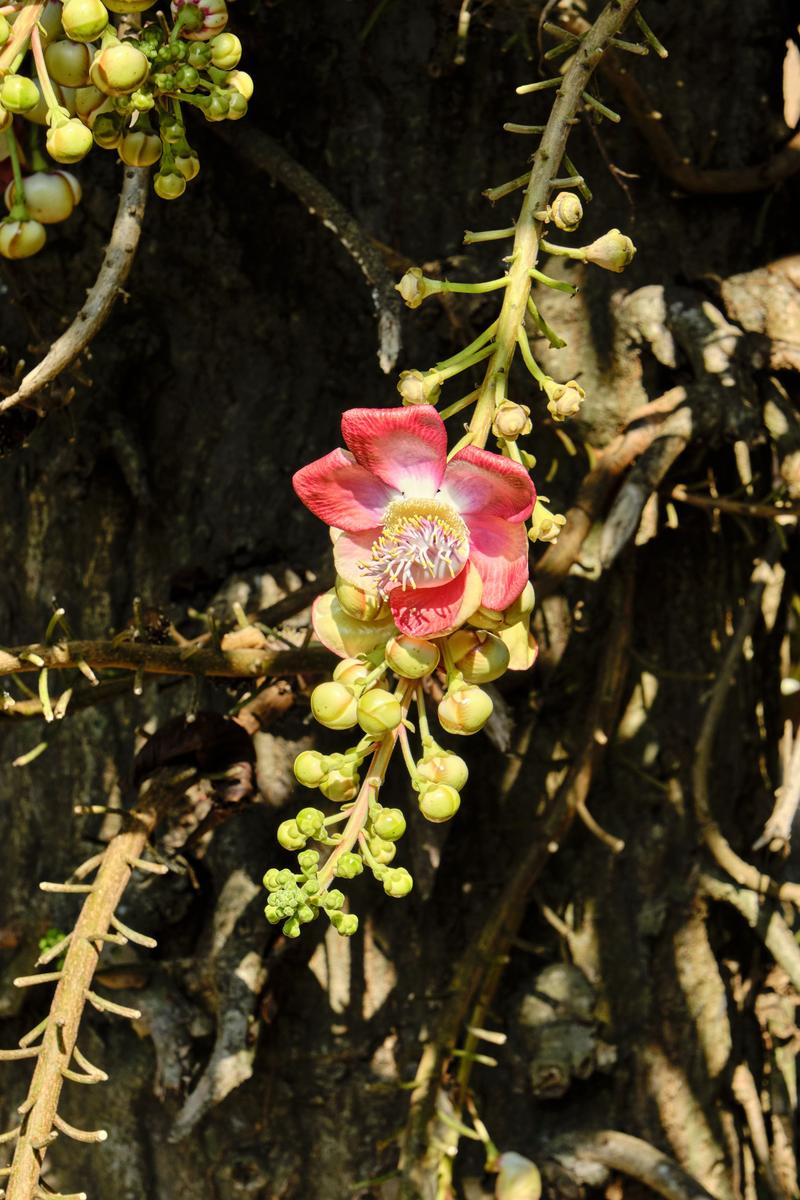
(465, 363)
(631, 47)
(408, 757)
(559, 51)
(576, 252)
(479, 341)
(459, 405)
(541, 85)
(650, 37)
(567, 181)
(424, 727)
(477, 289)
(50, 98)
(513, 127)
(21, 31)
(19, 210)
(555, 341)
(487, 235)
(527, 356)
(558, 285)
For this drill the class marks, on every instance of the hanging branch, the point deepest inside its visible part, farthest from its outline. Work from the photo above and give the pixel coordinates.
(57, 1055)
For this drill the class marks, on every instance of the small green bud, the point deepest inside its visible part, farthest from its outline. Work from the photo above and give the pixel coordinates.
(68, 63)
(349, 865)
(381, 850)
(306, 913)
(187, 78)
(290, 837)
(271, 880)
(518, 1178)
(311, 885)
(188, 165)
(21, 239)
(465, 710)
(118, 70)
(199, 54)
(272, 914)
(340, 786)
(70, 142)
(18, 94)
(334, 705)
(143, 99)
(172, 132)
(334, 900)
(84, 20)
(107, 129)
(411, 657)
(226, 50)
(169, 185)
(444, 767)
(480, 656)
(291, 928)
(308, 860)
(344, 923)
(397, 882)
(390, 824)
(379, 712)
(310, 822)
(439, 802)
(140, 148)
(309, 769)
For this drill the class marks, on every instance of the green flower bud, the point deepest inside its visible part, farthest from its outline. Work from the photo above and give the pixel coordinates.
(311, 885)
(241, 82)
(172, 132)
(381, 850)
(439, 803)
(349, 865)
(187, 78)
(291, 928)
(211, 19)
(226, 50)
(379, 712)
(188, 165)
(119, 69)
(199, 55)
(50, 196)
(333, 900)
(306, 913)
(334, 705)
(352, 671)
(397, 882)
(107, 130)
(344, 923)
(68, 63)
(613, 251)
(411, 657)
(444, 767)
(339, 786)
(418, 388)
(308, 768)
(545, 525)
(140, 148)
(237, 106)
(564, 399)
(271, 881)
(217, 107)
(389, 824)
(21, 239)
(364, 606)
(169, 185)
(465, 710)
(89, 101)
(70, 142)
(272, 914)
(84, 20)
(5, 31)
(18, 94)
(290, 837)
(310, 822)
(414, 287)
(143, 99)
(566, 211)
(308, 860)
(480, 656)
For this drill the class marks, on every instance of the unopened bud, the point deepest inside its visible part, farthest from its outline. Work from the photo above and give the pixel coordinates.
(289, 836)
(140, 148)
(308, 768)
(564, 399)
(465, 710)
(345, 924)
(310, 822)
(439, 802)
(21, 239)
(381, 850)
(411, 657)
(444, 767)
(511, 421)
(518, 1178)
(481, 657)
(241, 82)
(68, 63)
(213, 19)
(18, 94)
(226, 50)
(84, 20)
(363, 605)
(352, 671)
(613, 251)
(169, 185)
(49, 196)
(334, 705)
(119, 69)
(340, 786)
(379, 712)
(390, 824)
(70, 142)
(188, 165)
(418, 388)
(349, 865)
(566, 211)
(545, 525)
(414, 287)
(397, 883)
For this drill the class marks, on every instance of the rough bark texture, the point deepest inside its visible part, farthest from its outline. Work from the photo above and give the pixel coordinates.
(247, 329)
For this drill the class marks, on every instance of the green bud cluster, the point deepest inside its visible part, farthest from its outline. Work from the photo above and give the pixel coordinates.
(297, 899)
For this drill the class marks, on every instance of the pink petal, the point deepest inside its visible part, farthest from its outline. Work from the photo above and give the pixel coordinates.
(430, 612)
(478, 481)
(405, 447)
(352, 549)
(343, 634)
(343, 493)
(498, 549)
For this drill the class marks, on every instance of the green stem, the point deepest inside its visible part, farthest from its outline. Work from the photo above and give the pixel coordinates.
(555, 341)
(422, 714)
(19, 209)
(559, 285)
(459, 405)
(576, 252)
(465, 363)
(479, 341)
(477, 289)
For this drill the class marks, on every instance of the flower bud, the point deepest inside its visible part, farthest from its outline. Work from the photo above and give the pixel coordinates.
(310, 822)
(188, 165)
(564, 399)
(119, 69)
(217, 107)
(187, 78)
(416, 388)
(289, 836)
(70, 142)
(199, 55)
(349, 865)
(487, 618)
(237, 105)
(480, 656)
(465, 710)
(84, 20)
(352, 671)
(309, 859)
(518, 1178)
(89, 101)
(226, 50)
(379, 712)
(49, 196)
(143, 99)
(511, 421)
(380, 849)
(308, 768)
(334, 705)
(129, 6)
(522, 606)
(18, 94)
(140, 148)
(107, 129)
(444, 767)
(241, 82)
(389, 824)
(21, 239)
(545, 525)
(364, 606)
(169, 185)
(439, 802)
(411, 657)
(397, 883)
(345, 924)
(340, 786)
(5, 30)
(213, 19)
(414, 287)
(613, 251)
(68, 62)
(566, 211)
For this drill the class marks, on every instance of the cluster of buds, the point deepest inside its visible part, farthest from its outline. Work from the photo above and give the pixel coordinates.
(89, 86)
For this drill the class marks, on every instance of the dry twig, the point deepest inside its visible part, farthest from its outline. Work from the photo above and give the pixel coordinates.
(777, 833)
(634, 1157)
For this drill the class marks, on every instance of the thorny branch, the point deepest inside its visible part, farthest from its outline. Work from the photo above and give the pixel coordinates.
(117, 262)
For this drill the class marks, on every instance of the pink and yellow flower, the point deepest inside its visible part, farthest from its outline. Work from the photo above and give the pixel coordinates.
(436, 539)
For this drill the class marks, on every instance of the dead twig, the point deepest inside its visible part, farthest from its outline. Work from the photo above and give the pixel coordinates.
(739, 508)
(761, 915)
(777, 833)
(117, 262)
(634, 1157)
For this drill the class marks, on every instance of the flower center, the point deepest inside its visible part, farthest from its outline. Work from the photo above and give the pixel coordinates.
(423, 543)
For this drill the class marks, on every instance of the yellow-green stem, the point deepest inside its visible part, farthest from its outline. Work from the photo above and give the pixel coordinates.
(21, 32)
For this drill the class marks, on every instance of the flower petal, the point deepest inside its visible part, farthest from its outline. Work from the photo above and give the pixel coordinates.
(342, 493)
(522, 646)
(405, 447)
(343, 634)
(352, 549)
(499, 550)
(429, 612)
(478, 481)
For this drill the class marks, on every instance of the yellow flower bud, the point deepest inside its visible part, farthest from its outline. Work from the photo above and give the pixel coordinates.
(564, 399)
(566, 211)
(339, 786)
(18, 93)
(70, 142)
(84, 20)
(308, 768)
(334, 705)
(465, 710)
(188, 165)
(352, 671)
(379, 712)
(511, 421)
(119, 69)
(169, 185)
(418, 388)
(480, 656)
(444, 767)
(545, 525)
(50, 196)
(140, 148)
(21, 239)
(613, 251)
(241, 82)
(364, 606)
(439, 803)
(226, 50)
(414, 287)
(411, 657)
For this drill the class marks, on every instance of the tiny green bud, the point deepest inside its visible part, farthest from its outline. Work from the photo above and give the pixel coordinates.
(444, 767)
(291, 928)
(334, 899)
(334, 705)
(140, 148)
(439, 802)
(349, 865)
(169, 185)
(188, 165)
(199, 55)
(272, 914)
(379, 712)
(18, 94)
(308, 768)
(364, 606)
(68, 63)
(70, 142)
(21, 239)
(308, 860)
(411, 657)
(310, 822)
(344, 923)
(390, 824)
(613, 251)
(381, 850)
(306, 913)
(187, 78)
(84, 20)
(107, 129)
(340, 786)
(226, 50)
(290, 837)
(480, 656)
(465, 710)
(271, 880)
(397, 882)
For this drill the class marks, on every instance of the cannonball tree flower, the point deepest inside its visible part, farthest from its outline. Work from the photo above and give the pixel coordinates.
(436, 539)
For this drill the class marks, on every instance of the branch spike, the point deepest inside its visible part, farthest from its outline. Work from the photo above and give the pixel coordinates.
(116, 938)
(11, 1136)
(89, 1067)
(47, 1139)
(80, 1077)
(149, 868)
(14, 1055)
(83, 888)
(47, 956)
(108, 1006)
(541, 85)
(23, 981)
(79, 1135)
(140, 939)
(32, 1034)
(87, 867)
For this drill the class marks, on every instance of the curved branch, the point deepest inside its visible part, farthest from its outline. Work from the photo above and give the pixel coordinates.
(634, 1157)
(117, 262)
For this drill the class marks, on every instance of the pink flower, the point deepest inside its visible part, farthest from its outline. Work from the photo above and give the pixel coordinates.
(435, 538)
